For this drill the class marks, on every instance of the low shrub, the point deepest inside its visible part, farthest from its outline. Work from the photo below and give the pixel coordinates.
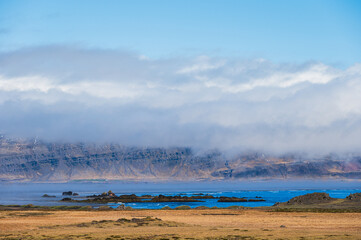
(102, 208)
(183, 207)
(201, 207)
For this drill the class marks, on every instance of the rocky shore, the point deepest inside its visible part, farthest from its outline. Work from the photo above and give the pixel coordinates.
(108, 197)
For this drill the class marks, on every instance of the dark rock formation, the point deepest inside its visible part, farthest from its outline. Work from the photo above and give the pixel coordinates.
(177, 198)
(202, 196)
(69, 193)
(146, 196)
(111, 197)
(231, 199)
(48, 196)
(354, 197)
(236, 199)
(256, 200)
(121, 207)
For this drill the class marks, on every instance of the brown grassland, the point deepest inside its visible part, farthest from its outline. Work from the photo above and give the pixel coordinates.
(178, 224)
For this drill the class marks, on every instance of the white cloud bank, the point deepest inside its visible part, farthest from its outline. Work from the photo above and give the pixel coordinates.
(64, 93)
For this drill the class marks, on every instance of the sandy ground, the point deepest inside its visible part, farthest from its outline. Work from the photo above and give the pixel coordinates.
(179, 224)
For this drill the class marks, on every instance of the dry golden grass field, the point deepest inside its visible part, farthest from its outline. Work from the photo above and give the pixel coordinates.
(178, 224)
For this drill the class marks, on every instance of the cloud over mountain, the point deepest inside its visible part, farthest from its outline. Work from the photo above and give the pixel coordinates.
(69, 93)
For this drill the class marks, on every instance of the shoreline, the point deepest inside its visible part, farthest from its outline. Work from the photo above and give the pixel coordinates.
(311, 202)
(310, 216)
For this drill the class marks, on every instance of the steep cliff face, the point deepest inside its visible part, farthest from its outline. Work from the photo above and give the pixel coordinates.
(39, 161)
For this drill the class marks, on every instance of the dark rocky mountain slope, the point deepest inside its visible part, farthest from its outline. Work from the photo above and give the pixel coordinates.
(23, 160)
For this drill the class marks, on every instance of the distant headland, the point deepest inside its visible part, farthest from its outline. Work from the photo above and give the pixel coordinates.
(25, 160)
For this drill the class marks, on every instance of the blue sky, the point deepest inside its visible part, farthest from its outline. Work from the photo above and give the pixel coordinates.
(280, 30)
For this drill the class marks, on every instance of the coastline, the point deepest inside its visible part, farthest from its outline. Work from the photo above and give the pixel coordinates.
(310, 216)
(272, 192)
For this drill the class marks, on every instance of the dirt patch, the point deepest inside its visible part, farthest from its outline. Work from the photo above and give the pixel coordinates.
(28, 214)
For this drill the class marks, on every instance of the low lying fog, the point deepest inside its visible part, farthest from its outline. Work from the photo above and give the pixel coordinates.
(71, 94)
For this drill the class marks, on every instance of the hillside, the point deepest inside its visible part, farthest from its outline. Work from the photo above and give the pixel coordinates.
(23, 160)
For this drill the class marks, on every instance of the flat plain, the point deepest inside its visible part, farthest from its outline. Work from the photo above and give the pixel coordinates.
(178, 224)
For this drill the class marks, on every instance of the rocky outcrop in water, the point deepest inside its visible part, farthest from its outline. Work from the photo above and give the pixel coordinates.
(48, 196)
(177, 198)
(111, 197)
(232, 199)
(236, 199)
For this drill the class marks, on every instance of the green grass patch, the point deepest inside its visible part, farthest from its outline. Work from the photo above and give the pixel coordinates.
(183, 207)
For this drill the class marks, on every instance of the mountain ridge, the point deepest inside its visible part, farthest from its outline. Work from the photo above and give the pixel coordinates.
(25, 160)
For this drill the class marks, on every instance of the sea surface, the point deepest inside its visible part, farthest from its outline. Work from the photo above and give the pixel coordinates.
(271, 191)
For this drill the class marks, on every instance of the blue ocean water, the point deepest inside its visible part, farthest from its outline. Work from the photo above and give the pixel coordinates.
(271, 191)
